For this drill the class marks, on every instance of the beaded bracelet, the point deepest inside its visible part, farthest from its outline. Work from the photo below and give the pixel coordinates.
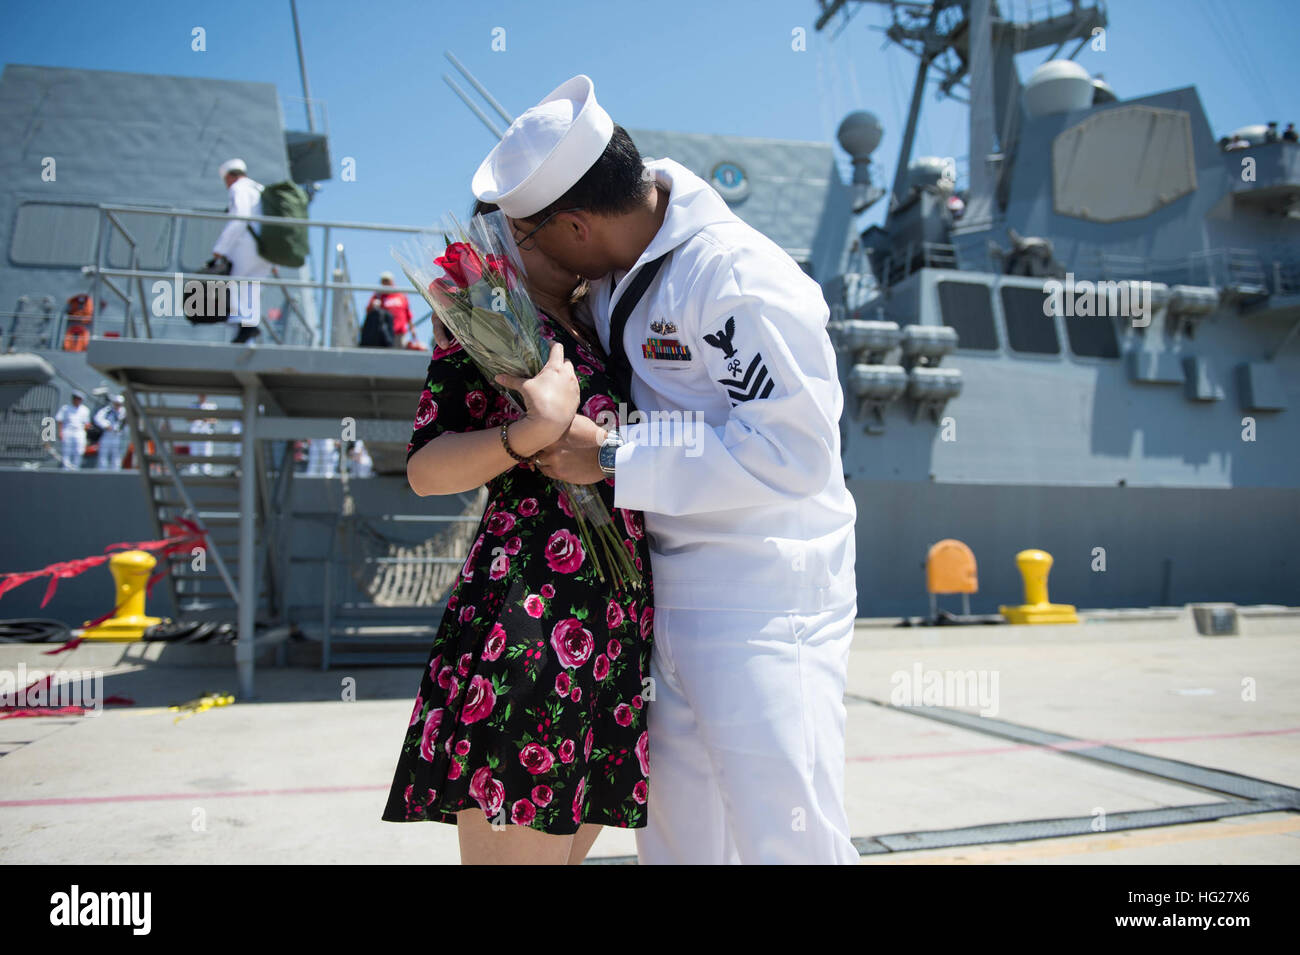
(505, 443)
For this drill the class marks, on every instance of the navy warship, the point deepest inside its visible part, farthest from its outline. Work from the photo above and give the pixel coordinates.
(1085, 345)
(1088, 349)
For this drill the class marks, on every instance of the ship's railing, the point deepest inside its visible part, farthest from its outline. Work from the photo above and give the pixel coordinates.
(30, 328)
(1220, 268)
(21, 424)
(128, 285)
(1035, 11)
(1285, 278)
(902, 262)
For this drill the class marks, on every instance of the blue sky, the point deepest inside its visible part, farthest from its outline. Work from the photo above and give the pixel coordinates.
(695, 65)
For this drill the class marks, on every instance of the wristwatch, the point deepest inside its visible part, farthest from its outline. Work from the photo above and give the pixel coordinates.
(608, 448)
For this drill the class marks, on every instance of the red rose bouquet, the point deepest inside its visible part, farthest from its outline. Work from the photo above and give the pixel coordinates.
(475, 285)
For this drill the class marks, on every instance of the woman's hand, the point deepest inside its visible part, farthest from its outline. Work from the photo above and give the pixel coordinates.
(441, 337)
(575, 456)
(551, 396)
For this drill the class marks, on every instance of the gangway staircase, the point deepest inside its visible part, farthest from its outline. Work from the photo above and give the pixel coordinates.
(235, 482)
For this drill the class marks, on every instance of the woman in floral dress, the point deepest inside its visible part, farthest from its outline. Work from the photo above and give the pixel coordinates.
(529, 728)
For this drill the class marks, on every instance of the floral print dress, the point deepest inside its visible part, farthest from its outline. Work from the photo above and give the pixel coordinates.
(530, 707)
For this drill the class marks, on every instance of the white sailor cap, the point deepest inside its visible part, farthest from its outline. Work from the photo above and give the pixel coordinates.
(546, 150)
(386, 275)
(77, 393)
(232, 165)
(118, 399)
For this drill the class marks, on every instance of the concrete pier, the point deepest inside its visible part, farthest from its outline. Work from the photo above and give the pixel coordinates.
(1129, 738)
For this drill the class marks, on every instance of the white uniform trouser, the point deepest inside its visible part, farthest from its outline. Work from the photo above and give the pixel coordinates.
(110, 451)
(74, 446)
(247, 298)
(204, 449)
(746, 745)
(321, 456)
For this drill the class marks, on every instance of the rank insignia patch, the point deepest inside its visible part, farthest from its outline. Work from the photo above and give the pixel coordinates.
(666, 349)
(722, 339)
(753, 383)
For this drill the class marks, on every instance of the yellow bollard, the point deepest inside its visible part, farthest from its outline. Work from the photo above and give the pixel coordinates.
(1034, 565)
(130, 570)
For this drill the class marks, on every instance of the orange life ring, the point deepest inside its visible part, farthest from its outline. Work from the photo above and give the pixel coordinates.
(77, 337)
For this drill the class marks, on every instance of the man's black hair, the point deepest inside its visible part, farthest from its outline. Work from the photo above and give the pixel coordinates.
(613, 185)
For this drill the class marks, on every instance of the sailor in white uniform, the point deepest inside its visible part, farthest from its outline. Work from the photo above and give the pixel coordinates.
(73, 419)
(362, 464)
(239, 246)
(111, 420)
(751, 524)
(202, 425)
(322, 457)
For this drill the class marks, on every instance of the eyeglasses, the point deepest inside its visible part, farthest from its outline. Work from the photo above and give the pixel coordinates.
(529, 248)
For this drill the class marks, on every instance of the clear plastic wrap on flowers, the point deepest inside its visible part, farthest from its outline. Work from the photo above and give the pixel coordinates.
(473, 279)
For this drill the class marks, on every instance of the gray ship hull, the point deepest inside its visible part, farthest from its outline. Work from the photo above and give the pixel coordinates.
(1163, 546)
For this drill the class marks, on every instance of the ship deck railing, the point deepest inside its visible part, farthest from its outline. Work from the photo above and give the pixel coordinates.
(1222, 268)
(119, 278)
(915, 256)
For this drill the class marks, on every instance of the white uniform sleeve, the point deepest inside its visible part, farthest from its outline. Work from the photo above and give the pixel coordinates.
(102, 419)
(761, 332)
(243, 200)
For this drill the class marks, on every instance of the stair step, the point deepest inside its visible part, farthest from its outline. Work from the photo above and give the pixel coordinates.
(371, 615)
(210, 519)
(226, 498)
(183, 573)
(225, 549)
(196, 459)
(212, 523)
(192, 593)
(201, 480)
(185, 392)
(191, 437)
(202, 503)
(193, 414)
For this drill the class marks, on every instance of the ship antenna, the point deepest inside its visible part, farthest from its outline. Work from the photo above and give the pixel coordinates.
(970, 46)
(302, 68)
(486, 120)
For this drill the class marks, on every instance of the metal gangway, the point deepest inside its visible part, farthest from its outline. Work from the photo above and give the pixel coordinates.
(215, 426)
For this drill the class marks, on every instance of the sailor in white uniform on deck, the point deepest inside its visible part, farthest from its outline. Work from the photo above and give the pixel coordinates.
(111, 420)
(73, 419)
(745, 502)
(238, 245)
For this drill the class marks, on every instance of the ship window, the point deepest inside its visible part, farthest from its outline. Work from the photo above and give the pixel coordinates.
(1092, 336)
(966, 307)
(153, 241)
(54, 234)
(198, 236)
(1029, 327)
